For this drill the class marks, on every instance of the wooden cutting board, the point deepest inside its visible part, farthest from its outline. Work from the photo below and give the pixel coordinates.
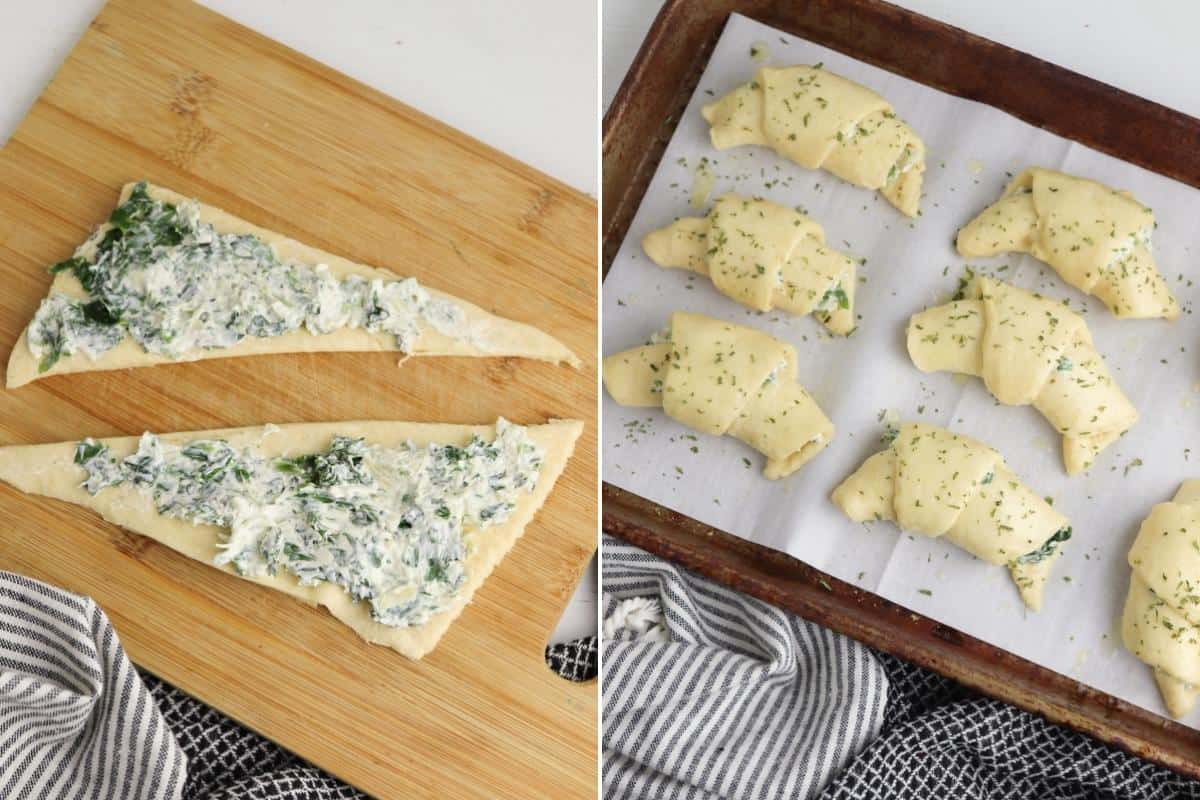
(178, 95)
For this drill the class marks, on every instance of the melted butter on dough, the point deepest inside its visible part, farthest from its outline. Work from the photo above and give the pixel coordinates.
(1095, 237)
(721, 378)
(939, 483)
(1029, 350)
(824, 121)
(764, 256)
(1161, 621)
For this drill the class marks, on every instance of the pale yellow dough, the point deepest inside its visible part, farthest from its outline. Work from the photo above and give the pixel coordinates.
(939, 483)
(49, 470)
(824, 121)
(1029, 350)
(762, 255)
(718, 378)
(1161, 623)
(1095, 237)
(494, 336)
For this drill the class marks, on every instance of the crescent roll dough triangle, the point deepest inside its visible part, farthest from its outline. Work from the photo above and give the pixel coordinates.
(824, 121)
(938, 483)
(1029, 350)
(53, 470)
(1096, 238)
(1161, 623)
(764, 256)
(718, 378)
(446, 325)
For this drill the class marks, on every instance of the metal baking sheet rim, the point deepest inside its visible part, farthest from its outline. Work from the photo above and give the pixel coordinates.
(662, 78)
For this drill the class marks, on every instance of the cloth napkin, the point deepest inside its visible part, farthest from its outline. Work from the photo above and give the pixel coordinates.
(75, 718)
(710, 694)
(78, 720)
(681, 723)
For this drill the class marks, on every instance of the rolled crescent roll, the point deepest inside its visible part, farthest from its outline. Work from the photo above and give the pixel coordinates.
(1095, 237)
(721, 378)
(939, 483)
(764, 256)
(824, 121)
(1161, 623)
(1029, 350)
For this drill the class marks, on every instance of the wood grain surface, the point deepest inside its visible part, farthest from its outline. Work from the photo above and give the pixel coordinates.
(178, 95)
(637, 127)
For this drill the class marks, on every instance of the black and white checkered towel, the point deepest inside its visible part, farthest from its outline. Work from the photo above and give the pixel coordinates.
(721, 695)
(78, 720)
(936, 741)
(941, 740)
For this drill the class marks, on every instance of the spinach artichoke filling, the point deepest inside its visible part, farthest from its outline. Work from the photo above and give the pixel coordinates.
(387, 524)
(157, 274)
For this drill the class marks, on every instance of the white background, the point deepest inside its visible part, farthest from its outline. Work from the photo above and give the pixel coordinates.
(1147, 48)
(521, 77)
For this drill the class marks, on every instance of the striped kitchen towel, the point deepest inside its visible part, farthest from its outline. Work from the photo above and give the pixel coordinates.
(712, 694)
(75, 718)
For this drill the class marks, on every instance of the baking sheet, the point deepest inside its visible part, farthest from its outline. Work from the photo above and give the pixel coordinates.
(910, 264)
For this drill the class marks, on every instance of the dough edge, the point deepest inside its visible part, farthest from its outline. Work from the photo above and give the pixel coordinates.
(49, 470)
(516, 338)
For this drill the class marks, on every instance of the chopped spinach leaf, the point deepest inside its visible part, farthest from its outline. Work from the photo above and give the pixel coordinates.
(88, 449)
(1048, 548)
(98, 313)
(363, 517)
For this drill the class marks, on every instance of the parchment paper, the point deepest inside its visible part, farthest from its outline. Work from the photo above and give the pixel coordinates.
(973, 150)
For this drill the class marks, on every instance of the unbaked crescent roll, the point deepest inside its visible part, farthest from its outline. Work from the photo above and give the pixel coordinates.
(824, 121)
(1029, 350)
(1161, 623)
(718, 378)
(764, 256)
(1096, 238)
(939, 483)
